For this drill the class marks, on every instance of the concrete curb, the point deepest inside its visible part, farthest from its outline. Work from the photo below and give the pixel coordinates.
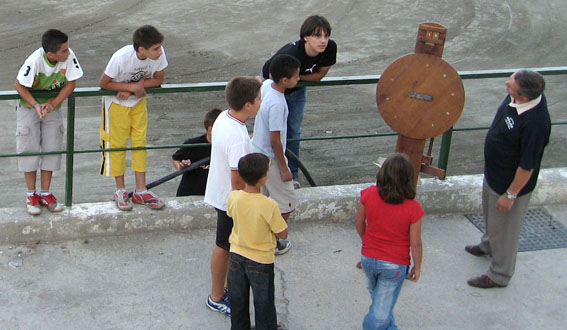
(329, 203)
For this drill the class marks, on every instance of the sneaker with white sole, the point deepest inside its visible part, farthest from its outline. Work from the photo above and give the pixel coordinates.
(278, 327)
(122, 200)
(296, 184)
(149, 199)
(222, 306)
(33, 204)
(225, 298)
(50, 202)
(282, 246)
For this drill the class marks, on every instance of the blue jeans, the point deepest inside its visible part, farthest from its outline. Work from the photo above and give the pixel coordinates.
(385, 280)
(296, 104)
(244, 273)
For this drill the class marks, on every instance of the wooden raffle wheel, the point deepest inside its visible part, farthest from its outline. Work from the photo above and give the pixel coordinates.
(421, 96)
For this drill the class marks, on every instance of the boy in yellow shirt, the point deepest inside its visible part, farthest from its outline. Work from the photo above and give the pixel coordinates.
(257, 225)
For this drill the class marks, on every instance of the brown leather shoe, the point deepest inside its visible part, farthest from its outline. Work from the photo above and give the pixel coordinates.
(475, 250)
(484, 282)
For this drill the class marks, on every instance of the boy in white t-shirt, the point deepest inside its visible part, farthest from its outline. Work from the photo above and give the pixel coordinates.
(270, 135)
(130, 71)
(53, 67)
(230, 142)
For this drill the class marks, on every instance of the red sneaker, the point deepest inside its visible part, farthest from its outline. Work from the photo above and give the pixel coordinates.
(122, 200)
(33, 204)
(148, 198)
(51, 203)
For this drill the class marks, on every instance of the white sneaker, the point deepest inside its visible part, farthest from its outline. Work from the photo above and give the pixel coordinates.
(282, 246)
(50, 202)
(33, 204)
(296, 184)
(222, 306)
(122, 200)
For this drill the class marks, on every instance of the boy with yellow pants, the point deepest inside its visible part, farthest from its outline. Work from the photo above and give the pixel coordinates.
(130, 71)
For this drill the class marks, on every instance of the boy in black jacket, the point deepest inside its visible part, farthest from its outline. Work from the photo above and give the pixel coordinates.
(195, 181)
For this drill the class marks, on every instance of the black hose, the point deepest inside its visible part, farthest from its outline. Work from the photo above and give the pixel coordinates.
(177, 173)
(291, 156)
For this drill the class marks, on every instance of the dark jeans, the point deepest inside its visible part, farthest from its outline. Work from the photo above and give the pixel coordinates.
(244, 273)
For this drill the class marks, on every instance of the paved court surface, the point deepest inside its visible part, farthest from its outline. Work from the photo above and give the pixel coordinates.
(161, 281)
(216, 40)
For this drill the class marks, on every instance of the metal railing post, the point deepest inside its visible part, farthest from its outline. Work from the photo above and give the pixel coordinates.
(70, 150)
(445, 148)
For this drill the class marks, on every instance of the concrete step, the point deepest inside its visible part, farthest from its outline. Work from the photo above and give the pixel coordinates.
(327, 204)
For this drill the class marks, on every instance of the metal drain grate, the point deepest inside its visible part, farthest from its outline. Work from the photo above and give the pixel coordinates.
(539, 231)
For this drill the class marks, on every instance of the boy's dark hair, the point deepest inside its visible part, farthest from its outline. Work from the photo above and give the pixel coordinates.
(313, 25)
(211, 116)
(253, 167)
(395, 179)
(241, 90)
(531, 83)
(52, 40)
(146, 36)
(283, 66)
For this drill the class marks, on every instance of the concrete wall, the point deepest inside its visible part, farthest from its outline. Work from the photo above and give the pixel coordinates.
(329, 203)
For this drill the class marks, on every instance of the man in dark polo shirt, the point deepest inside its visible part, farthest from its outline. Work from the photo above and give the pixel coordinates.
(513, 150)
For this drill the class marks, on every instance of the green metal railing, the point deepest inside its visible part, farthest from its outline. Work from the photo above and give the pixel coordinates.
(219, 86)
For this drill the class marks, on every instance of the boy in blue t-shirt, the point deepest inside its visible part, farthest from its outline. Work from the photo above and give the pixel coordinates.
(270, 135)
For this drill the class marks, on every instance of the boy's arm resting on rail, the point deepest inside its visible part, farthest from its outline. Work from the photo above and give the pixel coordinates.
(27, 96)
(25, 93)
(156, 81)
(136, 88)
(315, 76)
(63, 94)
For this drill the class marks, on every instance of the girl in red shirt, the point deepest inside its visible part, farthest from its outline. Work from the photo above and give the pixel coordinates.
(388, 221)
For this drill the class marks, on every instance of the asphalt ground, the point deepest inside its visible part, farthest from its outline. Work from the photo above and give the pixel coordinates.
(215, 40)
(161, 281)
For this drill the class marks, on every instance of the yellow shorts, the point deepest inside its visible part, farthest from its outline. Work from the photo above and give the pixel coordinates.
(118, 124)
